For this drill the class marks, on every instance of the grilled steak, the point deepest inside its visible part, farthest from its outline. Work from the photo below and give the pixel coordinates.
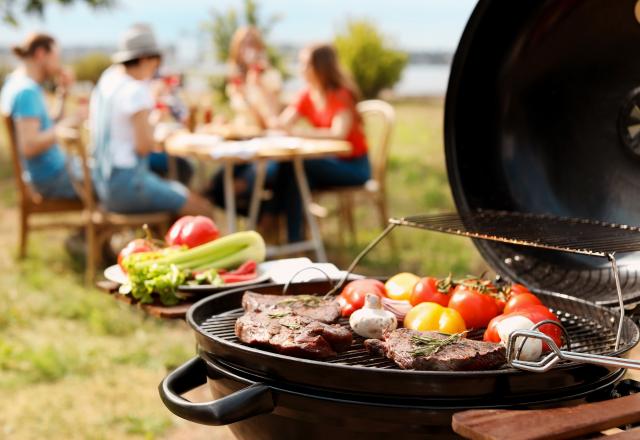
(314, 307)
(292, 334)
(462, 355)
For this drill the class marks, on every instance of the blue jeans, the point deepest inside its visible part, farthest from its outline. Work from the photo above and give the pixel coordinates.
(138, 190)
(321, 173)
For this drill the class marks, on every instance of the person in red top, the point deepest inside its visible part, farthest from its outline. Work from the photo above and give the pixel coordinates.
(328, 104)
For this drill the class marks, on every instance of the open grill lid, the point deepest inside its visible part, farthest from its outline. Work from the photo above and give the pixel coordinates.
(543, 116)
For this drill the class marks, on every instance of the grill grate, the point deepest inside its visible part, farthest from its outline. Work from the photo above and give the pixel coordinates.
(589, 333)
(579, 236)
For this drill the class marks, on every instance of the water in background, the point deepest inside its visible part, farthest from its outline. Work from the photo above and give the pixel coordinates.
(417, 80)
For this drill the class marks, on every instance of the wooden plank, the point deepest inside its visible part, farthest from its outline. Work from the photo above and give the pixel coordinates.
(179, 311)
(550, 424)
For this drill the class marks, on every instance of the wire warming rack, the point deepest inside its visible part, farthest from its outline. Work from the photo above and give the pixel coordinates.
(579, 236)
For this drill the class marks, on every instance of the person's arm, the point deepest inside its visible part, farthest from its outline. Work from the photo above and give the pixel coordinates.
(31, 140)
(64, 81)
(340, 128)
(143, 133)
(268, 85)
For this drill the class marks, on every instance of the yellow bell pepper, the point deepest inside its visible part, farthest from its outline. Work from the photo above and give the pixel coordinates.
(429, 316)
(400, 286)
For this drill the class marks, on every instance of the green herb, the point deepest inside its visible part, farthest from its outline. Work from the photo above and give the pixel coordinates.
(426, 346)
(276, 315)
(291, 325)
(307, 300)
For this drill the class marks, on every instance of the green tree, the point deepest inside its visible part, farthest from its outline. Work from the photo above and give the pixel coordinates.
(10, 8)
(373, 63)
(91, 66)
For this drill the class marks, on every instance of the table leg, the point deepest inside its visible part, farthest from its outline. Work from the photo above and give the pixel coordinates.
(305, 195)
(229, 197)
(256, 195)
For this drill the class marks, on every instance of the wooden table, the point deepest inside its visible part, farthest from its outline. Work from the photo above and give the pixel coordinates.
(260, 151)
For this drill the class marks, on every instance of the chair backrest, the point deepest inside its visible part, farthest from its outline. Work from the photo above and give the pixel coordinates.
(379, 148)
(71, 139)
(25, 193)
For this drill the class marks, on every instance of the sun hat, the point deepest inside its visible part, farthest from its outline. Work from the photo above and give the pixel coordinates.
(137, 42)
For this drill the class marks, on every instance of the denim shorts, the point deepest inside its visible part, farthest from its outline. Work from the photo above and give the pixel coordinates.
(138, 190)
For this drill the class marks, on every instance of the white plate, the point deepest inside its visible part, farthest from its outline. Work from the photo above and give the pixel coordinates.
(114, 273)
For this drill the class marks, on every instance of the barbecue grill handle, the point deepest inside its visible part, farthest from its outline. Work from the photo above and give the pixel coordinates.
(247, 402)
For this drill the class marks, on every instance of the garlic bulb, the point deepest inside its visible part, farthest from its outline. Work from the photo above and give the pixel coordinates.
(532, 348)
(371, 321)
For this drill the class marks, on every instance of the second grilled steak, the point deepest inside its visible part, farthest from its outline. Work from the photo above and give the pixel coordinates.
(292, 334)
(463, 355)
(314, 307)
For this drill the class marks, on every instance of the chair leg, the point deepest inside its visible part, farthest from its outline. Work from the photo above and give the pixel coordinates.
(349, 216)
(91, 239)
(24, 231)
(383, 212)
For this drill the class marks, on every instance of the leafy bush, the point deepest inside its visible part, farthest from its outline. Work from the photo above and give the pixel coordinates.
(91, 66)
(374, 65)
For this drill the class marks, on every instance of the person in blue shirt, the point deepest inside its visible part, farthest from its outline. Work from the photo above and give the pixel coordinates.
(22, 97)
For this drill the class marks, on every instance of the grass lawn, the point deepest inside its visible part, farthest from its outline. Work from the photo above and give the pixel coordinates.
(75, 364)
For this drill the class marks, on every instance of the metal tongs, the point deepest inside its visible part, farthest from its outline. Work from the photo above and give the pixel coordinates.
(514, 348)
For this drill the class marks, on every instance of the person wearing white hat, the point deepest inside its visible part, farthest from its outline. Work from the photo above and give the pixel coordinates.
(122, 136)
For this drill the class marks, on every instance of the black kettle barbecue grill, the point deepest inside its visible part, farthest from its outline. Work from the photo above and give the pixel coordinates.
(540, 118)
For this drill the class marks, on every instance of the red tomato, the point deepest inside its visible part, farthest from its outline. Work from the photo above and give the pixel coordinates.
(517, 289)
(134, 247)
(491, 333)
(537, 313)
(476, 308)
(192, 231)
(431, 289)
(520, 301)
(352, 296)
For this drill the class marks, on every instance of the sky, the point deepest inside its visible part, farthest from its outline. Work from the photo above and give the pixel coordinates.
(410, 24)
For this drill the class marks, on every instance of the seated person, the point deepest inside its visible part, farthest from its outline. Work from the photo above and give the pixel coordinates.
(23, 99)
(328, 104)
(122, 136)
(253, 85)
(253, 89)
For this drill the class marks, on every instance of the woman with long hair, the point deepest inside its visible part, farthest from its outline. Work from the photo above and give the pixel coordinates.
(253, 85)
(328, 104)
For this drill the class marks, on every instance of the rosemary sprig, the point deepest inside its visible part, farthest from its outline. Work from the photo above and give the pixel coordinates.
(291, 325)
(426, 346)
(307, 300)
(276, 315)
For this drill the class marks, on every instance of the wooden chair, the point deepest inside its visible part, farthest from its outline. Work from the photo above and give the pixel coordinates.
(31, 203)
(375, 188)
(99, 223)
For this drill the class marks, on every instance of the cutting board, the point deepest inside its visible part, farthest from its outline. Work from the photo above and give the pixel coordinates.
(551, 424)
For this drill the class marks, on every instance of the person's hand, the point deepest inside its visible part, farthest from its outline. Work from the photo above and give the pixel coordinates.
(64, 80)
